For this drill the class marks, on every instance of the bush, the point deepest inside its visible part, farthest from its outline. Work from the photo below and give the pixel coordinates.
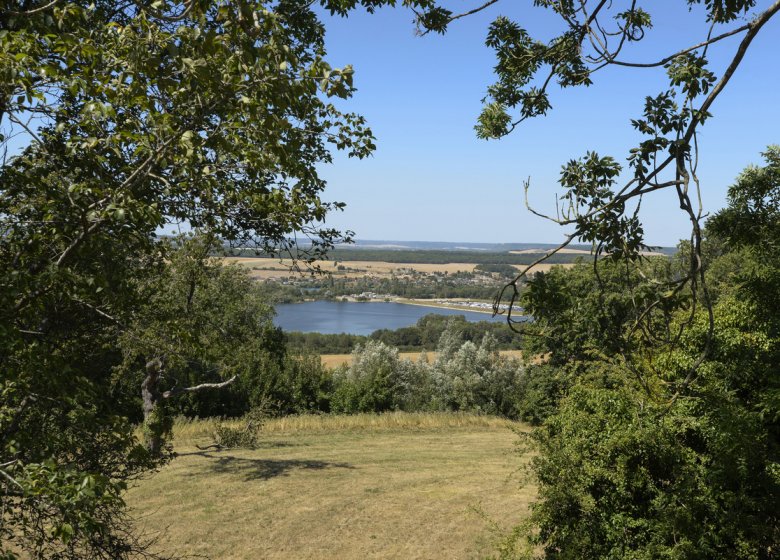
(228, 437)
(464, 377)
(376, 381)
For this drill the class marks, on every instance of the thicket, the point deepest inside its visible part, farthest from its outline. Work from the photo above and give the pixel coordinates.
(463, 376)
(660, 414)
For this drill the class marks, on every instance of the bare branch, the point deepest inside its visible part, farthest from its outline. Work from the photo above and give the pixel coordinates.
(474, 11)
(671, 57)
(178, 391)
(35, 10)
(753, 28)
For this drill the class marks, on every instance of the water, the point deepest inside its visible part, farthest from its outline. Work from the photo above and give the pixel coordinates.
(334, 317)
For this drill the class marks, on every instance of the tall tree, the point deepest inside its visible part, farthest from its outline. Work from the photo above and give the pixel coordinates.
(600, 202)
(117, 118)
(650, 458)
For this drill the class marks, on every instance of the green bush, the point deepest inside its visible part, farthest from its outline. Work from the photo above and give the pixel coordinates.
(376, 381)
(464, 377)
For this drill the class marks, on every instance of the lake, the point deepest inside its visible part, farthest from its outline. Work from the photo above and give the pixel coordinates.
(334, 317)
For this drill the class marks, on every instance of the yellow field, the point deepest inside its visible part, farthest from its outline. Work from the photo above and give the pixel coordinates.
(335, 360)
(279, 268)
(407, 486)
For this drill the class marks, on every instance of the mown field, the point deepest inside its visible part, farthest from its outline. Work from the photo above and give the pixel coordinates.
(365, 486)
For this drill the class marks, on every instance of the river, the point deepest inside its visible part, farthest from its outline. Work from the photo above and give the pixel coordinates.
(334, 317)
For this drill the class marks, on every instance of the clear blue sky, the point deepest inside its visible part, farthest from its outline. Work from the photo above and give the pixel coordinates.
(432, 179)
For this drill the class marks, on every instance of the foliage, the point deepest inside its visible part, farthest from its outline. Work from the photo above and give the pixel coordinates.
(200, 324)
(120, 118)
(504, 270)
(417, 286)
(463, 377)
(659, 452)
(541, 390)
(229, 437)
(319, 343)
(299, 385)
(377, 380)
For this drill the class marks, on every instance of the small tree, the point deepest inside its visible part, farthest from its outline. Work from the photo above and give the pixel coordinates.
(198, 316)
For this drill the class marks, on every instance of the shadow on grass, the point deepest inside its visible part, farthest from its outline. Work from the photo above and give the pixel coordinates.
(261, 469)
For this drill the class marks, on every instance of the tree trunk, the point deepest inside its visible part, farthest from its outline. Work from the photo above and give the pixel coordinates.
(156, 424)
(153, 421)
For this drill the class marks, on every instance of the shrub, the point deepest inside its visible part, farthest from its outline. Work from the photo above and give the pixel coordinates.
(377, 380)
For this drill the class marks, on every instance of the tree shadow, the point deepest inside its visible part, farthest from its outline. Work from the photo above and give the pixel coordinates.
(263, 469)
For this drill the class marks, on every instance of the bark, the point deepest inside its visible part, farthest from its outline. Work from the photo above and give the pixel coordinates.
(155, 423)
(150, 393)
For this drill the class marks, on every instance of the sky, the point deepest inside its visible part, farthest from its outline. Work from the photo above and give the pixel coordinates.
(432, 179)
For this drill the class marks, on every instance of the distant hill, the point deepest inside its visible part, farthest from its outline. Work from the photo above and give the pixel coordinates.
(391, 245)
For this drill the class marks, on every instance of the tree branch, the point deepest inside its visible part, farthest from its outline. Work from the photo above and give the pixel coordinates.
(671, 57)
(178, 391)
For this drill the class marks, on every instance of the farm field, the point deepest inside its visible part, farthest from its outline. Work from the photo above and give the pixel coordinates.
(335, 360)
(348, 487)
(266, 268)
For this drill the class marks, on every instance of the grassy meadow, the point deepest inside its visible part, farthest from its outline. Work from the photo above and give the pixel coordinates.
(394, 485)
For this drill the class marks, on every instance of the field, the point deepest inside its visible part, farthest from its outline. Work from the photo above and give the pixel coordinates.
(335, 360)
(265, 268)
(366, 486)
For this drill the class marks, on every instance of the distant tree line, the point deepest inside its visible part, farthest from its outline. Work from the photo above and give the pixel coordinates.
(422, 256)
(458, 285)
(424, 335)
(422, 287)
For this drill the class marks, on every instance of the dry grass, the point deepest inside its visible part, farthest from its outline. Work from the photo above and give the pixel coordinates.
(387, 486)
(263, 268)
(269, 268)
(543, 267)
(335, 360)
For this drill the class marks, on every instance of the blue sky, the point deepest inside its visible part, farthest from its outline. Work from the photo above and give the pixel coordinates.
(432, 179)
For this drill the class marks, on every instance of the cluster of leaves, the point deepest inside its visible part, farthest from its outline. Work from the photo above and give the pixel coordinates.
(463, 377)
(648, 449)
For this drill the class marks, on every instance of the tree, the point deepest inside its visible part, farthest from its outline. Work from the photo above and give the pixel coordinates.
(665, 465)
(599, 205)
(117, 119)
(197, 330)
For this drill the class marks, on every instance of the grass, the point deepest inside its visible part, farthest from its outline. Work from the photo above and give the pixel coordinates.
(347, 487)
